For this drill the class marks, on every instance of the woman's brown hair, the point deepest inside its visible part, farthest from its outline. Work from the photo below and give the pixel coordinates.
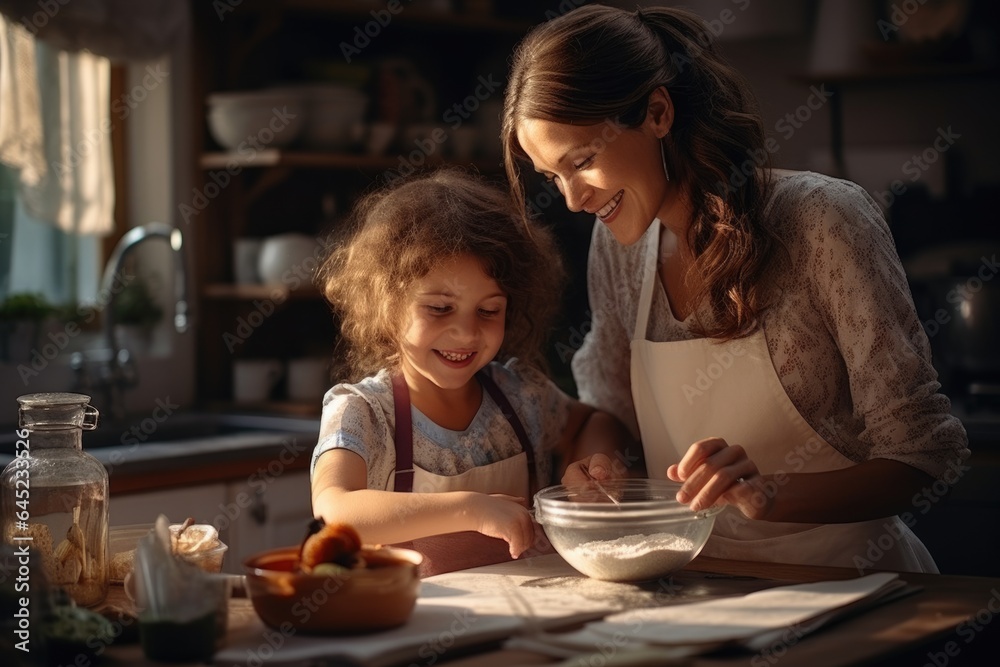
(598, 63)
(397, 235)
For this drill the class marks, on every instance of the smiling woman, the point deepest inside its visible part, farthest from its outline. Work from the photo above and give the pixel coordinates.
(756, 333)
(596, 167)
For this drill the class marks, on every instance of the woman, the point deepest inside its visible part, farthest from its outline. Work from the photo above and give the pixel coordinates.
(753, 326)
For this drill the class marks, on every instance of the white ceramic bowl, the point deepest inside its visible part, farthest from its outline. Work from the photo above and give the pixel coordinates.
(334, 115)
(266, 118)
(288, 258)
(379, 137)
(646, 536)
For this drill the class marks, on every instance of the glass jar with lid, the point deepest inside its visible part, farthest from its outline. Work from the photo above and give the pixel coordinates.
(55, 495)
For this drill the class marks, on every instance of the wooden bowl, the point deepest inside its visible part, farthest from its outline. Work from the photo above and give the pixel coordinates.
(363, 600)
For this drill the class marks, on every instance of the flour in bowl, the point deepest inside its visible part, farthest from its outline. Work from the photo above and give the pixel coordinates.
(632, 557)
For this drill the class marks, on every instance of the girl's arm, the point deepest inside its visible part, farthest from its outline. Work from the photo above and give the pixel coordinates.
(596, 445)
(340, 495)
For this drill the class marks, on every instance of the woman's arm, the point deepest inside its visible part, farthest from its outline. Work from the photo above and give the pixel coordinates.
(602, 366)
(340, 494)
(596, 445)
(711, 469)
(858, 286)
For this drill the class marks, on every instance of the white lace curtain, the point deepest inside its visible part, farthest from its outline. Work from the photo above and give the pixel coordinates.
(55, 130)
(55, 126)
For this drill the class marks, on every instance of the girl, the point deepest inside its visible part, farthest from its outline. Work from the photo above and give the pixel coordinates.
(438, 283)
(754, 326)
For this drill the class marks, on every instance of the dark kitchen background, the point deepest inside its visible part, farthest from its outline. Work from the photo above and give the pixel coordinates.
(898, 95)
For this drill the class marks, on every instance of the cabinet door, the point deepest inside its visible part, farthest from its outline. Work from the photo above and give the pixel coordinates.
(266, 514)
(204, 503)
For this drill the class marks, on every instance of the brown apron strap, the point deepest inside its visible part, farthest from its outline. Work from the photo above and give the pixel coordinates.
(403, 439)
(515, 423)
(404, 434)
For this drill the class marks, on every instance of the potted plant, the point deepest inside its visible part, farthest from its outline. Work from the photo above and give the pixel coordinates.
(21, 318)
(136, 312)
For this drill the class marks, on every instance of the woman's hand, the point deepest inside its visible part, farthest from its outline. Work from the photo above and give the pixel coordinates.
(713, 472)
(595, 466)
(504, 517)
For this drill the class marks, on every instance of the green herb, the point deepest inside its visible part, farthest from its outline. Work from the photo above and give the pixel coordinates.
(25, 306)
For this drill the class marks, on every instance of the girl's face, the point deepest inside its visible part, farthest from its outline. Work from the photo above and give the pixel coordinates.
(610, 171)
(454, 325)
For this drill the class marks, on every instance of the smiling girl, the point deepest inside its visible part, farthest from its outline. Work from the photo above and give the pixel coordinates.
(436, 285)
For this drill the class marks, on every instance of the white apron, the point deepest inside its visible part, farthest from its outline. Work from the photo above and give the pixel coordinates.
(511, 476)
(685, 391)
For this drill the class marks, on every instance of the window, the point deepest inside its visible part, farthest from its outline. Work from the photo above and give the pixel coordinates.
(57, 180)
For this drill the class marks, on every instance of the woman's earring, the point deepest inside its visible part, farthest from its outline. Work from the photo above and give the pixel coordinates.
(663, 156)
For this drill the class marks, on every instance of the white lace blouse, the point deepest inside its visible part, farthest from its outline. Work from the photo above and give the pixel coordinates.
(360, 417)
(843, 333)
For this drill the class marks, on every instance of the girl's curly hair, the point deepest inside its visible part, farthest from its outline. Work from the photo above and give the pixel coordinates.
(399, 233)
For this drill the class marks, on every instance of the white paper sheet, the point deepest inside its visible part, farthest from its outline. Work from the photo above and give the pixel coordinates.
(432, 630)
(492, 603)
(740, 619)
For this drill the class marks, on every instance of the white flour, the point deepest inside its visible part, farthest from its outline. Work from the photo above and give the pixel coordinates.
(631, 558)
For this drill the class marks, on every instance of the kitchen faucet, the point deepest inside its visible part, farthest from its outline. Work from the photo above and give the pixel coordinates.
(116, 366)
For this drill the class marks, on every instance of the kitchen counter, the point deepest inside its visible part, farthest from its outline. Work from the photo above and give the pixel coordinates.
(164, 462)
(219, 458)
(948, 620)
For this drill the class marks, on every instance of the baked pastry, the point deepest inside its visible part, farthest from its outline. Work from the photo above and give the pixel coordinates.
(335, 543)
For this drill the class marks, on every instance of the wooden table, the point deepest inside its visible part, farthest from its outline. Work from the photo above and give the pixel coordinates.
(950, 621)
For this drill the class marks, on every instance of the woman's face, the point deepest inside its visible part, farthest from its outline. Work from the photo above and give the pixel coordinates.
(454, 325)
(610, 171)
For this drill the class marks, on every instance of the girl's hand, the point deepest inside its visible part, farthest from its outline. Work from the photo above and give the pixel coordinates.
(505, 517)
(596, 466)
(714, 472)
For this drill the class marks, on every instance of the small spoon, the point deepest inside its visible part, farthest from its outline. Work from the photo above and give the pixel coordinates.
(600, 486)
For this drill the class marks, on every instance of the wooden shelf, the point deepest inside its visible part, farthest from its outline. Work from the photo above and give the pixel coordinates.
(233, 292)
(412, 15)
(261, 42)
(289, 408)
(273, 157)
(892, 72)
(901, 73)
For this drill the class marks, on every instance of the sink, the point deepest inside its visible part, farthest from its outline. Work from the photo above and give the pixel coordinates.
(181, 427)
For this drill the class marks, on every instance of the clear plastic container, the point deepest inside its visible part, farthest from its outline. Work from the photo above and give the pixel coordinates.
(55, 495)
(124, 539)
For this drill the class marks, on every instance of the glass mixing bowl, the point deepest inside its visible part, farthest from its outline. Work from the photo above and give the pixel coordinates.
(645, 535)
